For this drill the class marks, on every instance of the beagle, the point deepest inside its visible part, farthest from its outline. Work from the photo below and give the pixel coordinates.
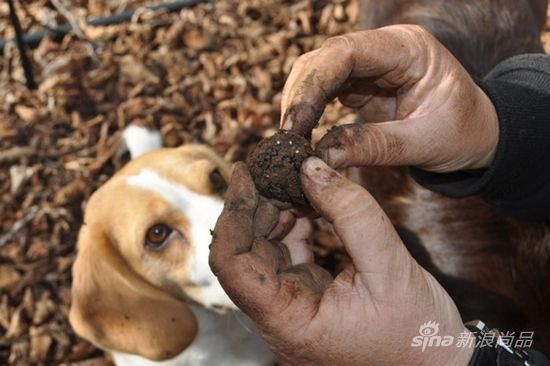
(142, 287)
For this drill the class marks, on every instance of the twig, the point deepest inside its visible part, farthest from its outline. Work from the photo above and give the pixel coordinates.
(73, 22)
(19, 224)
(15, 153)
(32, 39)
(33, 19)
(122, 6)
(70, 18)
(27, 69)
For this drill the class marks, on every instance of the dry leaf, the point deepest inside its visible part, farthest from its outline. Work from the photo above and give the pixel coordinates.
(40, 344)
(9, 276)
(29, 115)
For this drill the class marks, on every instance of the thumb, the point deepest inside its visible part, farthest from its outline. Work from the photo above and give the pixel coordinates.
(377, 252)
(386, 143)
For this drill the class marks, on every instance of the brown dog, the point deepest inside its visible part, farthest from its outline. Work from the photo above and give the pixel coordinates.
(480, 33)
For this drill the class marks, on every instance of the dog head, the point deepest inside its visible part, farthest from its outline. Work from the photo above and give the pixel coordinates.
(143, 253)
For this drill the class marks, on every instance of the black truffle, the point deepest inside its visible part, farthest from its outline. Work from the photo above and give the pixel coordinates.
(275, 166)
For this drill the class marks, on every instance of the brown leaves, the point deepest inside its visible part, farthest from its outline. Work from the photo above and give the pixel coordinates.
(196, 75)
(9, 276)
(136, 72)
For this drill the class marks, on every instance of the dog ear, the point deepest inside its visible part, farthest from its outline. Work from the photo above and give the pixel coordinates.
(116, 309)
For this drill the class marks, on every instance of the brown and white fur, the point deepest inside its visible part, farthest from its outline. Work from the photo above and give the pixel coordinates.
(160, 306)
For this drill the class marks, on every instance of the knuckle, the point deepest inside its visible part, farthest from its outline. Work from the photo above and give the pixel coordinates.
(341, 41)
(383, 147)
(353, 203)
(418, 43)
(423, 39)
(344, 44)
(415, 30)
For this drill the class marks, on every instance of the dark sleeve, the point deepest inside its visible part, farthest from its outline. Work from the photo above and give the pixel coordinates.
(518, 181)
(492, 357)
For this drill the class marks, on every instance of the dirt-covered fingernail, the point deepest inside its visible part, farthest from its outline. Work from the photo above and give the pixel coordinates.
(287, 123)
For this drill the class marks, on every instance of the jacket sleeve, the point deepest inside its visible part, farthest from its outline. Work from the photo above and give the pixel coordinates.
(518, 181)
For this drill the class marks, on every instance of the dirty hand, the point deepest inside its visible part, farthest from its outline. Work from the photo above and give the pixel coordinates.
(431, 113)
(367, 315)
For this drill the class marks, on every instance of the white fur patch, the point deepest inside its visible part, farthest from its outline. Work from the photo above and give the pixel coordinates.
(223, 339)
(202, 212)
(139, 140)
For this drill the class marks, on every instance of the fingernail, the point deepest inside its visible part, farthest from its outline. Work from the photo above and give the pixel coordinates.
(287, 124)
(317, 171)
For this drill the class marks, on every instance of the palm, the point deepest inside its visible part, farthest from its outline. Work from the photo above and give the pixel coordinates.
(305, 315)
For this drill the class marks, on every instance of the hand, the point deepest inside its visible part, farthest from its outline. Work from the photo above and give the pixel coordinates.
(436, 117)
(367, 315)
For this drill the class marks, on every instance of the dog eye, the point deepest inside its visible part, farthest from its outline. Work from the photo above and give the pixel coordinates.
(219, 185)
(157, 236)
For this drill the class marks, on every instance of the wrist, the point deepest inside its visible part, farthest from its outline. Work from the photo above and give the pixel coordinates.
(489, 128)
(459, 353)
(464, 354)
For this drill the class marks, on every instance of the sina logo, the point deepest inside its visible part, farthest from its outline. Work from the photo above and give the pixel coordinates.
(428, 337)
(429, 329)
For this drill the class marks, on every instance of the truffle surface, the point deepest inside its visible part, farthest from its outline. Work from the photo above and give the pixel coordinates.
(275, 166)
